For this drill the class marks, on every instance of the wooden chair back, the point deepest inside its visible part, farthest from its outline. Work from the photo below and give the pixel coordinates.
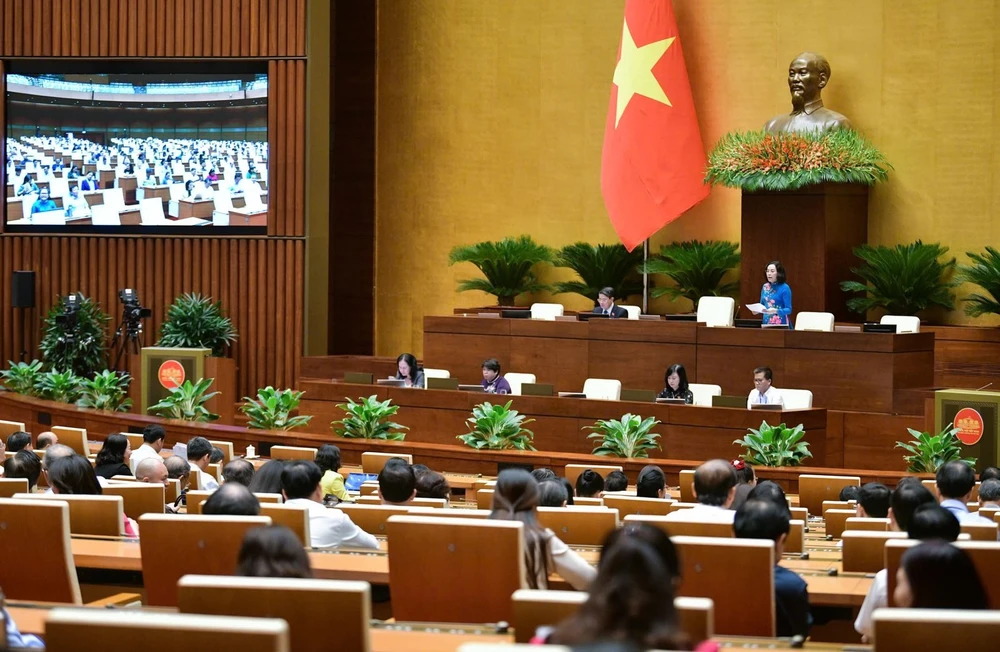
(627, 505)
(677, 506)
(294, 517)
(195, 499)
(175, 545)
(687, 486)
(697, 617)
(906, 630)
(573, 471)
(373, 462)
(684, 527)
(135, 440)
(293, 453)
(708, 565)
(587, 502)
(838, 504)
(484, 499)
(372, 518)
(864, 551)
(102, 516)
(368, 489)
(581, 526)
(980, 531)
(11, 486)
(194, 479)
(227, 450)
(436, 569)
(95, 630)
(434, 503)
(799, 513)
(814, 489)
(985, 556)
(867, 524)
(796, 541)
(215, 470)
(274, 499)
(317, 611)
(172, 490)
(8, 428)
(836, 521)
(41, 526)
(75, 438)
(138, 498)
(449, 513)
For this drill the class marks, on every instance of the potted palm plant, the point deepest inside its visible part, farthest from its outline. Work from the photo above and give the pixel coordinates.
(600, 266)
(984, 272)
(902, 280)
(507, 266)
(697, 269)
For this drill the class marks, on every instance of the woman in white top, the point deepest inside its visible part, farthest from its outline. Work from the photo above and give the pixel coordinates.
(515, 498)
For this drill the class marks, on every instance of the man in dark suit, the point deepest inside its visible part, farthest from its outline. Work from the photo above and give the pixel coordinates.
(606, 305)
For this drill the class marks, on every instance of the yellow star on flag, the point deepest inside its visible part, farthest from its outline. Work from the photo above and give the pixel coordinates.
(634, 72)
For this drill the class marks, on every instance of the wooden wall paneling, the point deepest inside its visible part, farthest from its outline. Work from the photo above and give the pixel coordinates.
(245, 17)
(150, 40)
(115, 27)
(262, 27)
(5, 39)
(253, 11)
(58, 16)
(130, 22)
(288, 151)
(237, 28)
(281, 46)
(272, 27)
(216, 29)
(300, 33)
(226, 27)
(46, 27)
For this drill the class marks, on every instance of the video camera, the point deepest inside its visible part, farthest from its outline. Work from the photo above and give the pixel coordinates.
(132, 310)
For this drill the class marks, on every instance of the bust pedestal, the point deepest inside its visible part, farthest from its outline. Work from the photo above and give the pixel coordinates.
(813, 232)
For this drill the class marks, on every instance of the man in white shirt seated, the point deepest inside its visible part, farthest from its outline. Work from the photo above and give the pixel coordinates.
(199, 450)
(763, 392)
(76, 204)
(328, 527)
(955, 482)
(153, 438)
(715, 488)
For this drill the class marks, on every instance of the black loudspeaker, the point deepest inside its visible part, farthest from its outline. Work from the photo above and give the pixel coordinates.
(23, 290)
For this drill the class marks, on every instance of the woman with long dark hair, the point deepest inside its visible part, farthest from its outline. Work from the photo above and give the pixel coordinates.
(408, 371)
(937, 575)
(272, 551)
(328, 461)
(113, 457)
(675, 384)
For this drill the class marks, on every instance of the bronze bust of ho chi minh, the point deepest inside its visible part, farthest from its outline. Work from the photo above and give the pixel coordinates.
(808, 74)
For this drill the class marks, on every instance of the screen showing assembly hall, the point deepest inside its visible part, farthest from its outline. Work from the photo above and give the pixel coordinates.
(136, 153)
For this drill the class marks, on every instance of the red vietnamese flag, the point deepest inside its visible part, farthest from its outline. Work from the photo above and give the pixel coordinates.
(653, 163)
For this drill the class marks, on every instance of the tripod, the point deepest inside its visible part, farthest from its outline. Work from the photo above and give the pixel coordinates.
(128, 337)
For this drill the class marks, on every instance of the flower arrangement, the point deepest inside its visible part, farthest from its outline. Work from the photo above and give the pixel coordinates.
(758, 160)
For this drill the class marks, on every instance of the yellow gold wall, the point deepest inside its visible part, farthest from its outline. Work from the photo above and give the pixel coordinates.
(491, 115)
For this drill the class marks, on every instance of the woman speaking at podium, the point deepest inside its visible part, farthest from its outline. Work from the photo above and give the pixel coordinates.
(775, 296)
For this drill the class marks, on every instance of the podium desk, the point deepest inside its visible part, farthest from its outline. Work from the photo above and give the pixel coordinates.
(148, 192)
(200, 208)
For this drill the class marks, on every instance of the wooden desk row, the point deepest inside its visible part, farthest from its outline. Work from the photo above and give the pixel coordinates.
(856, 371)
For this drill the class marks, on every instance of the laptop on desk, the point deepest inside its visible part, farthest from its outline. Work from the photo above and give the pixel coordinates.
(587, 316)
(874, 327)
(639, 395)
(748, 323)
(391, 382)
(572, 395)
(729, 401)
(471, 388)
(358, 378)
(537, 389)
(442, 383)
(766, 406)
(515, 314)
(671, 401)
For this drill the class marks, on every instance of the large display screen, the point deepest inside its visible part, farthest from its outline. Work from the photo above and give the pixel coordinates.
(136, 153)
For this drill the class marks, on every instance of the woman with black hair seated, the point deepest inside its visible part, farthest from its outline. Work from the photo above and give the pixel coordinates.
(408, 371)
(675, 384)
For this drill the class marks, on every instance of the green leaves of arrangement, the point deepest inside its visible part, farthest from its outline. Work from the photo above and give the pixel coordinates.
(904, 280)
(497, 427)
(107, 391)
(59, 386)
(984, 272)
(929, 452)
(187, 402)
(368, 418)
(272, 409)
(600, 266)
(629, 436)
(698, 269)
(194, 321)
(507, 266)
(85, 351)
(21, 377)
(775, 446)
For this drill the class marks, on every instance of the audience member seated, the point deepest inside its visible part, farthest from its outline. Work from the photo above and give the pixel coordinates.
(18, 441)
(397, 484)
(989, 493)
(199, 450)
(933, 522)
(46, 439)
(937, 575)
(771, 492)
(53, 453)
(515, 498)
(73, 475)
(989, 473)
(15, 640)
(551, 493)
(267, 479)
(763, 392)
(328, 460)
(178, 469)
(651, 483)
(239, 471)
(606, 305)
(44, 203)
(632, 598)
(113, 457)
(153, 471)
(589, 484)
(216, 456)
(675, 384)
(75, 203)
(24, 464)
(493, 382)
(715, 488)
(432, 484)
(28, 187)
(904, 501)
(763, 519)
(273, 551)
(90, 182)
(570, 490)
(408, 372)
(615, 481)
(955, 482)
(745, 482)
(153, 438)
(231, 499)
(873, 501)
(543, 474)
(328, 528)
(850, 492)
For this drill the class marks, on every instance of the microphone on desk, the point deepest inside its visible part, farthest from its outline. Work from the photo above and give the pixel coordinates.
(984, 387)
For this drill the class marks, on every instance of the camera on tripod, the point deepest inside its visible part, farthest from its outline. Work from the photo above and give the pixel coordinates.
(128, 336)
(132, 309)
(67, 320)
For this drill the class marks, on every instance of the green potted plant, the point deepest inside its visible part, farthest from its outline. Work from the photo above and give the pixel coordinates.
(984, 272)
(21, 377)
(187, 402)
(629, 436)
(272, 409)
(106, 391)
(928, 452)
(194, 322)
(75, 343)
(902, 280)
(497, 427)
(697, 269)
(600, 266)
(507, 266)
(62, 386)
(368, 418)
(775, 446)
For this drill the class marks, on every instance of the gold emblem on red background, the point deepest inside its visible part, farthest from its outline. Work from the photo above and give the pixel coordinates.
(171, 374)
(970, 426)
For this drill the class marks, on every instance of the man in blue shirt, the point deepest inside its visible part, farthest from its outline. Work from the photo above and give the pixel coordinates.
(764, 519)
(43, 204)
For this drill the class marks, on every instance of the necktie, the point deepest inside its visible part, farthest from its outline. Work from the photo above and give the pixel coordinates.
(763, 398)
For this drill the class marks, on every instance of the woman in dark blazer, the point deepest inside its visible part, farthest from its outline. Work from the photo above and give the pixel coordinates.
(675, 382)
(113, 457)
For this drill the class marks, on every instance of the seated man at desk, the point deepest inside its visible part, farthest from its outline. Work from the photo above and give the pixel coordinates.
(715, 489)
(606, 305)
(76, 204)
(43, 204)
(763, 392)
